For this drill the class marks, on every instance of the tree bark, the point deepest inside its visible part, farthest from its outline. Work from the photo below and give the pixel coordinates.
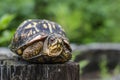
(11, 69)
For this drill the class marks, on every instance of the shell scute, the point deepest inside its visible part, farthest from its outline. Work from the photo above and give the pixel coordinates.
(30, 29)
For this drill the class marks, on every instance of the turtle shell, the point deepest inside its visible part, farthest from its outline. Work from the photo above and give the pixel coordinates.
(33, 30)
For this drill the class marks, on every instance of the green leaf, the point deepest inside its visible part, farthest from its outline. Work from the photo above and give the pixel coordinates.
(5, 20)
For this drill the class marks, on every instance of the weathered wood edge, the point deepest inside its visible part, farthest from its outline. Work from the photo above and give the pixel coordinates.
(12, 69)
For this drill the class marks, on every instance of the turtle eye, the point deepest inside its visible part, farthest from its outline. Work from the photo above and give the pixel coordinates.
(52, 39)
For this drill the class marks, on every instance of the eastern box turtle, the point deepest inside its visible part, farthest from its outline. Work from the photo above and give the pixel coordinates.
(41, 41)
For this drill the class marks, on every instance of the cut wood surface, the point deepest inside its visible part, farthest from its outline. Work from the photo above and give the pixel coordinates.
(12, 69)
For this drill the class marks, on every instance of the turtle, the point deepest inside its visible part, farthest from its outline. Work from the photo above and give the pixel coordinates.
(41, 41)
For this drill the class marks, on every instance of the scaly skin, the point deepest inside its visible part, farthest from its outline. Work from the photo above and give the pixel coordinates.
(32, 50)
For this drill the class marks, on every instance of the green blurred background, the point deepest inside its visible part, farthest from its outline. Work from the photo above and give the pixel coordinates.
(84, 21)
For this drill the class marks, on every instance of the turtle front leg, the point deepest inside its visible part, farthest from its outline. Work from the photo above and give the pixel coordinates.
(32, 50)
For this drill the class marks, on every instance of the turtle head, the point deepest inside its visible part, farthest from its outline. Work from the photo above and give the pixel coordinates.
(53, 45)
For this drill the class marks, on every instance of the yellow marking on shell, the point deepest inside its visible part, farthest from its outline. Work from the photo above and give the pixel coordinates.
(19, 51)
(21, 25)
(59, 26)
(45, 20)
(30, 33)
(28, 26)
(29, 19)
(35, 26)
(23, 35)
(24, 22)
(16, 37)
(53, 25)
(45, 26)
(50, 27)
(34, 32)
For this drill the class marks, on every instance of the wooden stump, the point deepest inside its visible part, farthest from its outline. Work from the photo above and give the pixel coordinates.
(21, 70)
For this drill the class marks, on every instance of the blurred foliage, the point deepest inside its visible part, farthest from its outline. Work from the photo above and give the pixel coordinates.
(105, 72)
(103, 67)
(84, 21)
(117, 70)
(82, 64)
(5, 21)
(76, 53)
(5, 34)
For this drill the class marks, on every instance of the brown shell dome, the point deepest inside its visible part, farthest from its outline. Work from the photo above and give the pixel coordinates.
(29, 29)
